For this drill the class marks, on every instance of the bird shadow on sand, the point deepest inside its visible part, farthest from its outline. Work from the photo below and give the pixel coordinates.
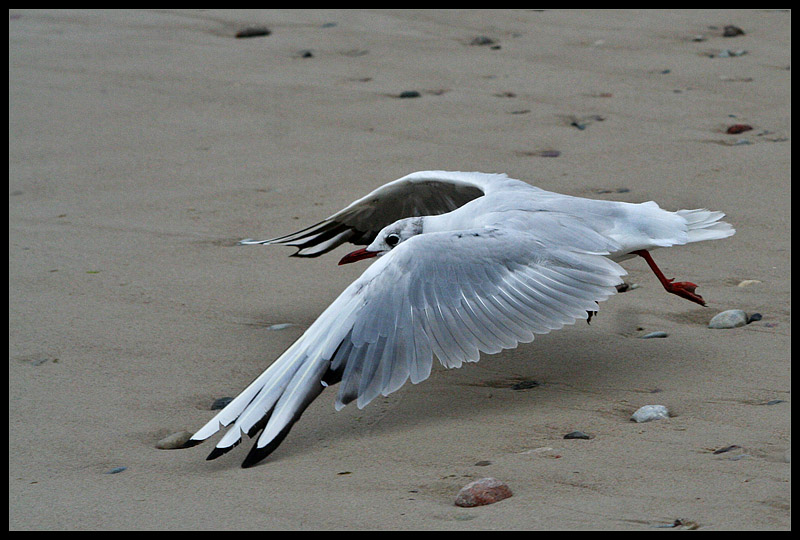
(563, 367)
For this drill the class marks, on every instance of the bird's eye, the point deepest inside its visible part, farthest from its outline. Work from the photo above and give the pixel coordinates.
(392, 240)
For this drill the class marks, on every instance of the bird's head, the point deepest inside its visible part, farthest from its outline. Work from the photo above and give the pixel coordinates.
(387, 239)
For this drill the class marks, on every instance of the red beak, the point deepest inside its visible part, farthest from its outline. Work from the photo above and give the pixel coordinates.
(357, 255)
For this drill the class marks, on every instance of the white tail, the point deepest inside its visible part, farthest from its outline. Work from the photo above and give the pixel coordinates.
(706, 225)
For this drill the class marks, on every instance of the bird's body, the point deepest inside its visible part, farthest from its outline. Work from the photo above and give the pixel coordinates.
(468, 263)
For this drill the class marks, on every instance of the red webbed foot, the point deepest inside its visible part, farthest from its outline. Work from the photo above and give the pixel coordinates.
(685, 289)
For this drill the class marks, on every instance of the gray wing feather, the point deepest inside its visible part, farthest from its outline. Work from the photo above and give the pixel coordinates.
(423, 193)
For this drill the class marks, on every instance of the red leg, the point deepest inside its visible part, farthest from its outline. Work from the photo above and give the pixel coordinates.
(683, 289)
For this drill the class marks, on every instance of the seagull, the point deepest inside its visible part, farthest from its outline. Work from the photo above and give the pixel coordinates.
(466, 263)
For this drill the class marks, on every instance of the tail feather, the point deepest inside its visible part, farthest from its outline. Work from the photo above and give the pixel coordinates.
(705, 225)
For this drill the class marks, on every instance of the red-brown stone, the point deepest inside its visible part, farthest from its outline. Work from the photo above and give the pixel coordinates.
(483, 491)
(738, 128)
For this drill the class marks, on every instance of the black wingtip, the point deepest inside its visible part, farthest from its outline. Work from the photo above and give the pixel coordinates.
(257, 454)
(258, 426)
(253, 458)
(216, 452)
(306, 255)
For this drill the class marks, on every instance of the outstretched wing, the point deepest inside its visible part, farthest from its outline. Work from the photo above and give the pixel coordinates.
(451, 295)
(422, 193)
(455, 295)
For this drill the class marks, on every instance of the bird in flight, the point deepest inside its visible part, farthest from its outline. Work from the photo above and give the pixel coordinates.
(466, 263)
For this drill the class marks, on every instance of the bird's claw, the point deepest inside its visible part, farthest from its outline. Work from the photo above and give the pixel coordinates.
(685, 289)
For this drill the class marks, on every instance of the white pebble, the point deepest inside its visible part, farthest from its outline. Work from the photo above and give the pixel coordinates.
(280, 326)
(176, 440)
(748, 282)
(650, 412)
(729, 319)
(659, 334)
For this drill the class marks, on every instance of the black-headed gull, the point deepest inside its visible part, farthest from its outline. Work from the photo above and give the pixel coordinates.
(467, 263)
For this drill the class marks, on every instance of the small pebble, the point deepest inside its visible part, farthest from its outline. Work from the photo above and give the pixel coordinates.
(689, 525)
(280, 326)
(482, 492)
(39, 360)
(727, 53)
(738, 128)
(732, 31)
(577, 124)
(253, 31)
(726, 449)
(116, 470)
(482, 40)
(577, 435)
(617, 190)
(176, 440)
(483, 463)
(649, 413)
(748, 282)
(583, 122)
(676, 523)
(525, 385)
(731, 318)
(409, 94)
(625, 287)
(658, 334)
(220, 403)
(539, 153)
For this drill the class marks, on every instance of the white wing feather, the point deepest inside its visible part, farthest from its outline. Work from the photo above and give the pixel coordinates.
(452, 295)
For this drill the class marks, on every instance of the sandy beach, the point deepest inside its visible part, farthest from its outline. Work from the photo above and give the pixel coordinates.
(143, 145)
